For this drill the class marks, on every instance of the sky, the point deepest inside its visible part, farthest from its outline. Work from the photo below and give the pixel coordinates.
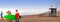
(26, 7)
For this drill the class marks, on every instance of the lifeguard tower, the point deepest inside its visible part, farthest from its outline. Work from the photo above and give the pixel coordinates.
(53, 11)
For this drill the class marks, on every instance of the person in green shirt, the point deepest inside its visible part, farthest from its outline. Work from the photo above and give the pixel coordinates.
(10, 16)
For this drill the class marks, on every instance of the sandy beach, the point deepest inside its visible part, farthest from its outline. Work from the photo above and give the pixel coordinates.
(38, 18)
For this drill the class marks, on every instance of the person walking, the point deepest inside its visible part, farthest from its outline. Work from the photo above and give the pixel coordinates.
(17, 16)
(1, 15)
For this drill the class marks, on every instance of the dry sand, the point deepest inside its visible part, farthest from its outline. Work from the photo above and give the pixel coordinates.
(38, 18)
